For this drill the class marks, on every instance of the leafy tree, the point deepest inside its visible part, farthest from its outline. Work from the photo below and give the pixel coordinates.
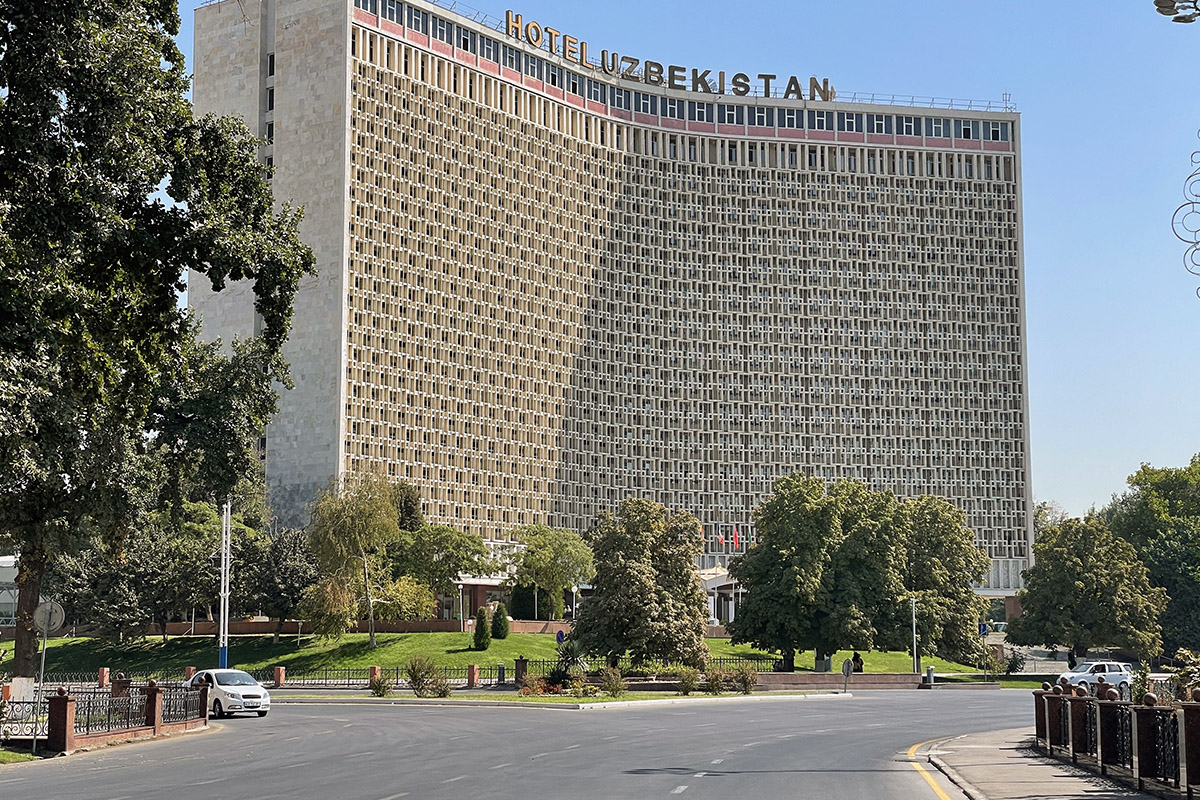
(1087, 587)
(353, 522)
(1160, 516)
(552, 559)
(825, 570)
(483, 632)
(500, 622)
(407, 500)
(95, 130)
(438, 555)
(644, 602)
(282, 570)
(530, 603)
(1047, 515)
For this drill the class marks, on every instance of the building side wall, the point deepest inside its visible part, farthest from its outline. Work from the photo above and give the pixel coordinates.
(308, 153)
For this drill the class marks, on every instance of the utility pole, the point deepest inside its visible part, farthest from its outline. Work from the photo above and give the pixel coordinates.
(223, 631)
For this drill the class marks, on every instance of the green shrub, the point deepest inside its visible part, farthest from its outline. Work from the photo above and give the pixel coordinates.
(483, 633)
(1141, 683)
(688, 680)
(500, 622)
(439, 686)
(422, 673)
(381, 686)
(745, 678)
(1015, 662)
(716, 680)
(611, 682)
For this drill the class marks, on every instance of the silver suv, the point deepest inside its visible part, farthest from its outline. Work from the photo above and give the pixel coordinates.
(1115, 673)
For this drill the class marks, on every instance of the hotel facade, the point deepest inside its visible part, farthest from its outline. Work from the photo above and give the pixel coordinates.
(552, 276)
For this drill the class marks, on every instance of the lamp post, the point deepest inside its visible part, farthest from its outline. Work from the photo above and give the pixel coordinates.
(916, 656)
(1179, 10)
(223, 630)
(574, 601)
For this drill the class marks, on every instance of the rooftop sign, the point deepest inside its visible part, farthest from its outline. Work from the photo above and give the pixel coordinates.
(654, 73)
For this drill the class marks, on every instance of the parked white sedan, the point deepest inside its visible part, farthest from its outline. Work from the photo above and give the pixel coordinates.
(232, 691)
(1115, 673)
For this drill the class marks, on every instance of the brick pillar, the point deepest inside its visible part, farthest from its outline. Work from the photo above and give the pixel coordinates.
(153, 707)
(102, 677)
(374, 673)
(1079, 708)
(280, 677)
(1144, 758)
(1055, 707)
(472, 676)
(189, 673)
(60, 736)
(520, 667)
(120, 685)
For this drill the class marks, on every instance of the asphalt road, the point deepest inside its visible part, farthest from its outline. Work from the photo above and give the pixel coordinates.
(828, 748)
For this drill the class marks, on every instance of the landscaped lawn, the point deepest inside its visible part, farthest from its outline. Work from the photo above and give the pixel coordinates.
(13, 756)
(352, 652)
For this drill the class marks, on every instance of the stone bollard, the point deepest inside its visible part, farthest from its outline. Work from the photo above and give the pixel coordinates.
(472, 676)
(189, 673)
(280, 677)
(500, 674)
(154, 700)
(102, 677)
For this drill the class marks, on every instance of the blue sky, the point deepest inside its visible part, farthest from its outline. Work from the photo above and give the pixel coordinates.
(1109, 113)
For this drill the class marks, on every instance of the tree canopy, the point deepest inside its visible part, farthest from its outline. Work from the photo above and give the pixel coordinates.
(834, 567)
(1087, 587)
(111, 191)
(551, 559)
(438, 556)
(647, 599)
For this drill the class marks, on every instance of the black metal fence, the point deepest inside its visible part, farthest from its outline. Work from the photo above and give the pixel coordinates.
(99, 711)
(1124, 738)
(181, 705)
(24, 719)
(1165, 764)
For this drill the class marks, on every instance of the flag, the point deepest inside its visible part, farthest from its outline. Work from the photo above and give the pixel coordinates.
(735, 537)
(720, 538)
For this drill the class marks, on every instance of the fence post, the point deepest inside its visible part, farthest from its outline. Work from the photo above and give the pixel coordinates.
(1189, 743)
(154, 700)
(499, 674)
(520, 667)
(60, 726)
(374, 674)
(1076, 708)
(280, 677)
(120, 685)
(1039, 715)
(472, 676)
(102, 677)
(1144, 757)
(1054, 711)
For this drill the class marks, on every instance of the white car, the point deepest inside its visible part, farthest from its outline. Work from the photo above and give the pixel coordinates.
(232, 691)
(1087, 674)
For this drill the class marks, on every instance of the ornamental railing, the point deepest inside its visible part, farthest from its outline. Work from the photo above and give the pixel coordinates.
(181, 705)
(100, 711)
(23, 719)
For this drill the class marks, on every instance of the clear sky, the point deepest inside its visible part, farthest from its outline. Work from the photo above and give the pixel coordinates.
(1109, 115)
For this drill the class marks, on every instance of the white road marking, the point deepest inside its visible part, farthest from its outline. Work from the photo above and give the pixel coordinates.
(539, 755)
(606, 738)
(452, 780)
(679, 790)
(751, 744)
(699, 774)
(717, 760)
(395, 796)
(500, 766)
(571, 747)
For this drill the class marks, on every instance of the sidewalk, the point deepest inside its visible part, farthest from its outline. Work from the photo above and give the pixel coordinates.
(1000, 766)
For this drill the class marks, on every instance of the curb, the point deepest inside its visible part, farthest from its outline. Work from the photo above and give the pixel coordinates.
(968, 788)
(415, 701)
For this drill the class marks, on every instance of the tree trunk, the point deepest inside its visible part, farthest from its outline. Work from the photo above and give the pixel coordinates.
(32, 567)
(278, 628)
(789, 660)
(370, 603)
(163, 623)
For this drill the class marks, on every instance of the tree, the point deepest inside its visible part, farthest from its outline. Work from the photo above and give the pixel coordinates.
(1087, 587)
(353, 522)
(500, 622)
(552, 559)
(825, 570)
(96, 130)
(438, 556)
(482, 638)
(282, 570)
(643, 601)
(1047, 515)
(1160, 517)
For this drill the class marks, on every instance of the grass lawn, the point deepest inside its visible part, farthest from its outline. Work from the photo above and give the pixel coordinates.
(352, 651)
(13, 756)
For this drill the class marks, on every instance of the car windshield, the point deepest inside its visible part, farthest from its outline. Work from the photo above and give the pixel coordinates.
(235, 679)
(1084, 667)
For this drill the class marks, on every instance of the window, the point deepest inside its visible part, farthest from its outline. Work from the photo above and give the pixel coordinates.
(533, 66)
(937, 128)
(393, 11)
(574, 84)
(820, 120)
(443, 31)
(966, 129)
(418, 20)
(271, 98)
(731, 115)
(700, 112)
(879, 123)
(851, 123)
(672, 108)
(510, 57)
(908, 126)
(596, 92)
(270, 64)
(763, 117)
(554, 75)
(489, 49)
(270, 131)
(791, 118)
(465, 39)
(645, 103)
(995, 131)
(617, 98)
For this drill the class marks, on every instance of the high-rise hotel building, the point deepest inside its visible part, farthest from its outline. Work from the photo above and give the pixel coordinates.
(553, 276)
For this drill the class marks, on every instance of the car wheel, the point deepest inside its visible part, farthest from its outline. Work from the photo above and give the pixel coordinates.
(218, 710)
(262, 713)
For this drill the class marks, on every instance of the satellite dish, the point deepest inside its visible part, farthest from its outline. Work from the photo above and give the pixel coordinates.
(49, 616)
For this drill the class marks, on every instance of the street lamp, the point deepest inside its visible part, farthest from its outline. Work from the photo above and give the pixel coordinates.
(1179, 10)
(223, 631)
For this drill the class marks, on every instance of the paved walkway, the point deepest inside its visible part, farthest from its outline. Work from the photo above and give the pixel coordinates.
(1001, 766)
